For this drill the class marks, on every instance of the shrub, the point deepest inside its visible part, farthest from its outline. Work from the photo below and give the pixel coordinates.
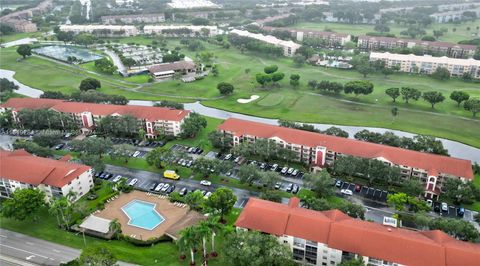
(148, 242)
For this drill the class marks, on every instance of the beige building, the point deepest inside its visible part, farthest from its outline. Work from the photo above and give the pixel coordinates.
(137, 18)
(21, 170)
(331, 38)
(104, 30)
(289, 47)
(181, 30)
(428, 64)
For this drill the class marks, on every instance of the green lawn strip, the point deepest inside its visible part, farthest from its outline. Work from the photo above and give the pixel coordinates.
(461, 32)
(476, 205)
(19, 35)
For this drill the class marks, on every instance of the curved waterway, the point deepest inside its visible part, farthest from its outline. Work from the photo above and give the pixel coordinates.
(455, 149)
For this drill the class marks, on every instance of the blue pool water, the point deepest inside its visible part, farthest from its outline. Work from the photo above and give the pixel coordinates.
(142, 214)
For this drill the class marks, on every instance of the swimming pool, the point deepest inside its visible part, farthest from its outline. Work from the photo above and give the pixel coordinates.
(142, 214)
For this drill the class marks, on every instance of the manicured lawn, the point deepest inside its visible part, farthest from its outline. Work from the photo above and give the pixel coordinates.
(19, 35)
(476, 205)
(461, 32)
(281, 102)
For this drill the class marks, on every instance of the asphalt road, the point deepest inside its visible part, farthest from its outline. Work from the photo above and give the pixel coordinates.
(20, 249)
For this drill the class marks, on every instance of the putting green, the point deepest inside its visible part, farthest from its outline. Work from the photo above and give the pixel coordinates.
(271, 99)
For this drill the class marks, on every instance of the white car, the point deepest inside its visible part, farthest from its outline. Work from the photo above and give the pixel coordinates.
(159, 187)
(135, 154)
(165, 187)
(290, 170)
(228, 157)
(133, 182)
(284, 170)
(117, 178)
(346, 192)
(207, 195)
(444, 207)
(205, 183)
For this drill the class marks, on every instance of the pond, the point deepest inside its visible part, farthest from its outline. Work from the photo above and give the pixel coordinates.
(63, 52)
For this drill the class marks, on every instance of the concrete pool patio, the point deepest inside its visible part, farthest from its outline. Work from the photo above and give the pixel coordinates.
(176, 218)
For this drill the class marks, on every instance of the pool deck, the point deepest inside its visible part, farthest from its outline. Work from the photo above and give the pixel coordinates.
(171, 213)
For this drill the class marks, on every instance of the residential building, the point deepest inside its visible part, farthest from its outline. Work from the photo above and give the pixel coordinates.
(427, 64)
(454, 50)
(451, 16)
(289, 47)
(56, 178)
(167, 70)
(261, 22)
(137, 18)
(176, 30)
(327, 238)
(152, 119)
(331, 38)
(103, 30)
(20, 20)
(190, 4)
(320, 151)
(459, 6)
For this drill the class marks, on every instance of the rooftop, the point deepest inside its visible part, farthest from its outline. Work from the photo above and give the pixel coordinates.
(430, 162)
(22, 166)
(342, 232)
(417, 42)
(148, 113)
(266, 38)
(426, 59)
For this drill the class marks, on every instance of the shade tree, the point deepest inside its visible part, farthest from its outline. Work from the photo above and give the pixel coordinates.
(433, 97)
(358, 87)
(459, 97)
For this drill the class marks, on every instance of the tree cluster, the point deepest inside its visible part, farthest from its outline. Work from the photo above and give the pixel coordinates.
(169, 104)
(90, 96)
(119, 126)
(46, 119)
(264, 149)
(8, 87)
(192, 125)
(333, 131)
(375, 171)
(269, 77)
(417, 143)
(33, 148)
(90, 84)
(254, 45)
(106, 66)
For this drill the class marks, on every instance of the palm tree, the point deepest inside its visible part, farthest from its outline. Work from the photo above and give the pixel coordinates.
(215, 227)
(55, 210)
(204, 232)
(115, 227)
(190, 237)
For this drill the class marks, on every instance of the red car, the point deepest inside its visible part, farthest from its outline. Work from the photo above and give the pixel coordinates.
(358, 188)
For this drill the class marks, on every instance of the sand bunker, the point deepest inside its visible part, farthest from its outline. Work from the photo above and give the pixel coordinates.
(252, 98)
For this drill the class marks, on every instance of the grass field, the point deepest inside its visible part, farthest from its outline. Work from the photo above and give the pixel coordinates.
(284, 102)
(461, 32)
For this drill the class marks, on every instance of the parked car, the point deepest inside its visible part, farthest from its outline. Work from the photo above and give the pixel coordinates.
(289, 187)
(461, 211)
(237, 159)
(170, 189)
(278, 185)
(284, 170)
(295, 172)
(263, 165)
(205, 183)
(152, 186)
(199, 151)
(183, 191)
(444, 207)
(135, 154)
(108, 176)
(429, 202)
(436, 207)
(274, 167)
(295, 189)
(228, 156)
(346, 192)
(159, 187)
(290, 171)
(339, 183)
(59, 146)
(358, 188)
(117, 178)
(207, 195)
(133, 182)
(164, 189)
(97, 174)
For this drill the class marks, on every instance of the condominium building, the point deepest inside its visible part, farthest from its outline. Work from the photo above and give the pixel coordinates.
(20, 20)
(454, 15)
(56, 178)
(320, 151)
(331, 38)
(103, 30)
(176, 30)
(154, 120)
(328, 238)
(137, 18)
(373, 43)
(427, 64)
(189, 4)
(289, 47)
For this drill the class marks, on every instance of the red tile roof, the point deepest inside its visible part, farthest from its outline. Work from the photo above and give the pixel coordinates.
(342, 232)
(430, 162)
(23, 167)
(141, 112)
